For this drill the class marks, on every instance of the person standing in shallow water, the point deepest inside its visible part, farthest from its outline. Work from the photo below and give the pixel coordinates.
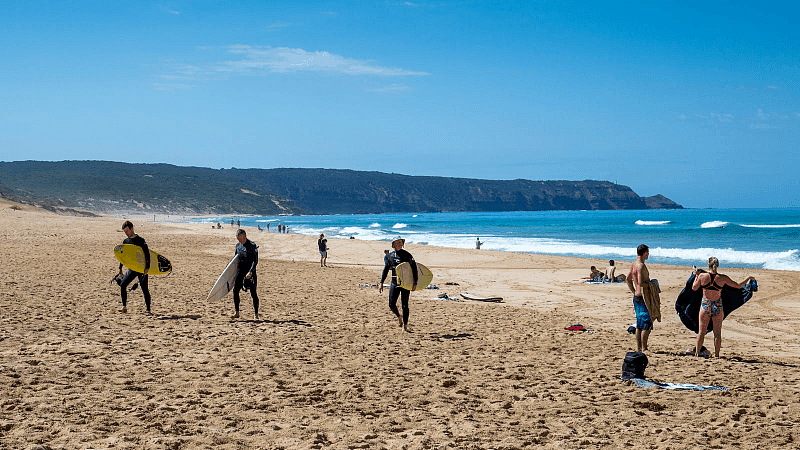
(638, 276)
(711, 306)
(394, 259)
(125, 280)
(247, 251)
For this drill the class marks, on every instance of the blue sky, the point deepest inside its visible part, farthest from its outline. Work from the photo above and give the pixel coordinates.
(698, 101)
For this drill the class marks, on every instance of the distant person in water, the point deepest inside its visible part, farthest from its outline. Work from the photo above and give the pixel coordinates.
(711, 306)
(246, 278)
(322, 243)
(125, 280)
(394, 259)
(478, 243)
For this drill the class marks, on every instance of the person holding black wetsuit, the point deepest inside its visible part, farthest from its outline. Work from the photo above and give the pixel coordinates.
(124, 281)
(394, 259)
(247, 251)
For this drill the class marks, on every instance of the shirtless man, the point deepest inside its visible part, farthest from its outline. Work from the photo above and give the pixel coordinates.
(638, 276)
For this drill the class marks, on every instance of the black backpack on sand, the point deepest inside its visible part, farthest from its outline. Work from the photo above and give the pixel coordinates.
(633, 366)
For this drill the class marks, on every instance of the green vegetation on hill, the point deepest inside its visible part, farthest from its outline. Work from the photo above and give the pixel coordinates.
(163, 188)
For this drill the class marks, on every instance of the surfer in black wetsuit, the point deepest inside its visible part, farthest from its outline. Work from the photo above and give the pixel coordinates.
(246, 272)
(124, 281)
(394, 259)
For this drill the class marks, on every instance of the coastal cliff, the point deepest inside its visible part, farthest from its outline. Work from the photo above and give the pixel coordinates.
(163, 188)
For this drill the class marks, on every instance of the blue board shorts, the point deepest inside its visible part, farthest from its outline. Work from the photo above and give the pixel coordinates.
(323, 253)
(643, 321)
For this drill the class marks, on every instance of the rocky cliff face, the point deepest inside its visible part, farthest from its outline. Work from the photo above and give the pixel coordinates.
(347, 191)
(163, 188)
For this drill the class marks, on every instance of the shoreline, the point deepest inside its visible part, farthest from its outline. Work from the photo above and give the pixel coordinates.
(327, 366)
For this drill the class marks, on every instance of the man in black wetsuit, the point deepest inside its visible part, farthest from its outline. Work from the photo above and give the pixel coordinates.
(124, 281)
(246, 273)
(394, 259)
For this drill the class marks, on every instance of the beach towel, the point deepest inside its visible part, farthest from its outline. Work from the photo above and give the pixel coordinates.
(652, 300)
(678, 387)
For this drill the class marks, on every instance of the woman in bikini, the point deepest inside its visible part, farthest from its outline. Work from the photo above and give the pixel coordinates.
(711, 307)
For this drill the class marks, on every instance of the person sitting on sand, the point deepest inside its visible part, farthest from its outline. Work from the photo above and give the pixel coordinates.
(611, 271)
(596, 275)
(711, 306)
(397, 257)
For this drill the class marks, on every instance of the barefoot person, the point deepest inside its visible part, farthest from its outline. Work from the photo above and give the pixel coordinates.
(246, 273)
(125, 280)
(322, 243)
(637, 277)
(711, 306)
(394, 259)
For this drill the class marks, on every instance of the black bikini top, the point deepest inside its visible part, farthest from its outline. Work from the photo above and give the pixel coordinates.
(712, 286)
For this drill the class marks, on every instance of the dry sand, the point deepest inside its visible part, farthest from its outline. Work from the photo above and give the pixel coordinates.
(327, 366)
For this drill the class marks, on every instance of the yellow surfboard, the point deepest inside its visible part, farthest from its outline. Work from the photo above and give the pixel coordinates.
(132, 257)
(405, 277)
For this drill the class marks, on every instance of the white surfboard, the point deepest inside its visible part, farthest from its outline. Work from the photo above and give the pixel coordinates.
(225, 281)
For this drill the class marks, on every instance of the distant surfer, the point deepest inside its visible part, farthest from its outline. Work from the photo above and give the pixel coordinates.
(478, 243)
(711, 306)
(124, 281)
(394, 259)
(322, 243)
(637, 277)
(247, 251)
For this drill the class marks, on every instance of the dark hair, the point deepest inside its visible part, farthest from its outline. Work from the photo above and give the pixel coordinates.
(642, 249)
(610, 262)
(240, 232)
(593, 268)
(127, 224)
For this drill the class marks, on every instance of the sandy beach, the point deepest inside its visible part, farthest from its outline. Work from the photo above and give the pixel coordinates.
(328, 367)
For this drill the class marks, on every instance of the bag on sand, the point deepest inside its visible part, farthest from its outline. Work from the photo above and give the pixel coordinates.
(633, 366)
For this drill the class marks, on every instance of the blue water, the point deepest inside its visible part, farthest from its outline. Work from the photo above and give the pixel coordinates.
(747, 238)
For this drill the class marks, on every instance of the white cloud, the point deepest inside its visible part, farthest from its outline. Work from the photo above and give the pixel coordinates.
(394, 87)
(284, 60)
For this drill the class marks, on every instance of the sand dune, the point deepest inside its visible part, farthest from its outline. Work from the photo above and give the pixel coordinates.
(327, 366)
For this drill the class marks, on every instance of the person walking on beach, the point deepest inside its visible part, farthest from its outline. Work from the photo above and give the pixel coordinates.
(711, 306)
(637, 277)
(125, 280)
(394, 259)
(247, 251)
(322, 243)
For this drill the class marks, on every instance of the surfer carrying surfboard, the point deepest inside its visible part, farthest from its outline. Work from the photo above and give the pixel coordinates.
(711, 306)
(394, 259)
(247, 251)
(135, 239)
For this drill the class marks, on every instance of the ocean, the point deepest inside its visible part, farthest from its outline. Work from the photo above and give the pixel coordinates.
(744, 238)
